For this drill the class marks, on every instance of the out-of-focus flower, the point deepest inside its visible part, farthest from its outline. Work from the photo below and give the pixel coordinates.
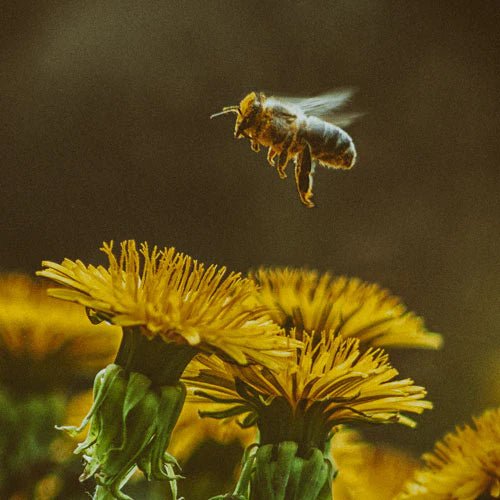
(171, 308)
(463, 466)
(309, 301)
(53, 339)
(329, 383)
(48, 353)
(367, 471)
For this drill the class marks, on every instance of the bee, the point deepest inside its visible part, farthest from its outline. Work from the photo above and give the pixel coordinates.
(298, 129)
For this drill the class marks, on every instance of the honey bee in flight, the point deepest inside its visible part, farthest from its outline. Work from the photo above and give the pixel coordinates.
(299, 129)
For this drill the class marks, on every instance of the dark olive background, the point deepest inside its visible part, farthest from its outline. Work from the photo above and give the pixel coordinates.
(105, 134)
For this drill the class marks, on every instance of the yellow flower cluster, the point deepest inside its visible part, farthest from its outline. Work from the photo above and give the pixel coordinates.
(290, 351)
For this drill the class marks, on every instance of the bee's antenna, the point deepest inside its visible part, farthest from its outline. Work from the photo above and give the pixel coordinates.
(225, 111)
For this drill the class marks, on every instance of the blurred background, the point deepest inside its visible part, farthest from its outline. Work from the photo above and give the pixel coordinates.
(105, 135)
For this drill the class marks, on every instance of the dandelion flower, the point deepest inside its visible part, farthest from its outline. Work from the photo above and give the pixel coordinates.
(329, 382)
(170, 308)
(464, 465)
(313, 302)
(175, 298)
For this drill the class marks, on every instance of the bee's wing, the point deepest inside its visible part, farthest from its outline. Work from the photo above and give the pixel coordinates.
(326, 106)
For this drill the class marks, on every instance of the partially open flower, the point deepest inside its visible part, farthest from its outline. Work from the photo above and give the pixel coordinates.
(309, 301)
(49, 352)
(464, 465)
(171, 308)
(329, 383)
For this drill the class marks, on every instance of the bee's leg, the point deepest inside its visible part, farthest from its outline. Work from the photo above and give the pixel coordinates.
(284, 156)
(254, 145)
(282, 163)
(271, 154)
(304, 170)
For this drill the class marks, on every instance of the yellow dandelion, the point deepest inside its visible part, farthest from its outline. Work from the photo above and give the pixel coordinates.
(329, 382)
(175, 298)
(313, 302)
(329, 375)
(46, 342)
(464, 465)
(367, 471)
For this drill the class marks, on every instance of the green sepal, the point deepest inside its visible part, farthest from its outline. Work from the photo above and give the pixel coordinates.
(109, 386)
(295, 476)
(262, 480)
(131, 422)
(285, 455)
(249, 420)
(137, 401)
(156, 463)
(230, 412)
(139, 421)
(272, 470)
(102, 382)
(281, 474)
(313, 476)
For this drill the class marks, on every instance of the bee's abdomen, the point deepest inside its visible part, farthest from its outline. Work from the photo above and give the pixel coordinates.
(329, 144)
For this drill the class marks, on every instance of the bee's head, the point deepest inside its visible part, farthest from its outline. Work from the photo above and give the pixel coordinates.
(248, 113)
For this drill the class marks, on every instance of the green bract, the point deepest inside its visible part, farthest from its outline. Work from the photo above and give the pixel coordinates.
(278, 472)
(130, 425)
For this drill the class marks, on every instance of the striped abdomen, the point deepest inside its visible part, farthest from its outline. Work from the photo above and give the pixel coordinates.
(329, 144)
